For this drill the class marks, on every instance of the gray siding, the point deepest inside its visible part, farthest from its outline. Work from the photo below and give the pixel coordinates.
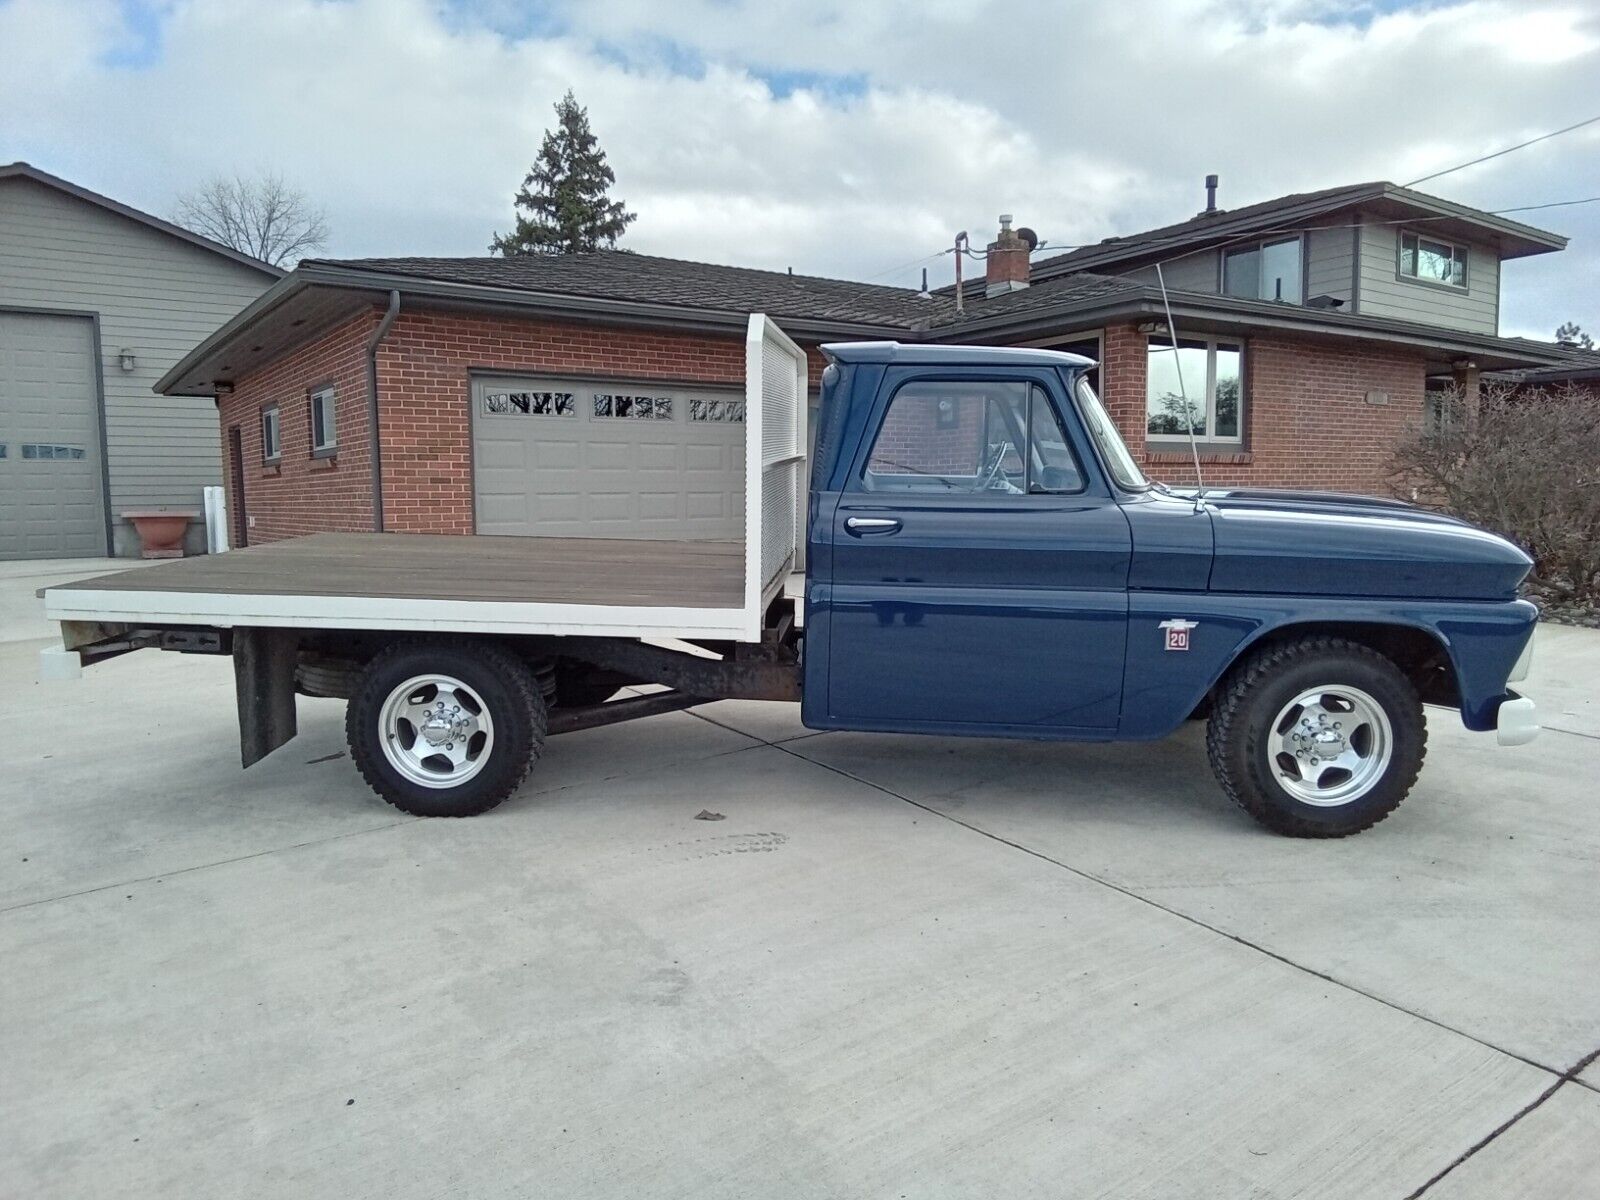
(1331, 263)
(157, 296)
(1383, 294)
(1192, 273)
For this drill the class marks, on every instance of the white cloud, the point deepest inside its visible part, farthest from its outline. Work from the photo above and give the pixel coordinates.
(413, 122)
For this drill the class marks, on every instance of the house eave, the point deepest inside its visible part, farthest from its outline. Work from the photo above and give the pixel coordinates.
(1146, 304)
(186, 377)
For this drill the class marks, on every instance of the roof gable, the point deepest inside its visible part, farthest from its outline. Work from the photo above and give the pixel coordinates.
(22, 170)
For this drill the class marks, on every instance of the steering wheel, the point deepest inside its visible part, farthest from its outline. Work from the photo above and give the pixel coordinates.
(994, 461)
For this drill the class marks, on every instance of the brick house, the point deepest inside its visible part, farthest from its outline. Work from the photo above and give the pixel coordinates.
(598, 394)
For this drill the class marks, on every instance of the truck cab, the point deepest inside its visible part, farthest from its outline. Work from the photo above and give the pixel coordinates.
(986, 557)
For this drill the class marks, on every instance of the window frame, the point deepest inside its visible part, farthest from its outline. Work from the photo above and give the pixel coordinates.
(1259, 248)
(275, 411)
(330, 448)
(864, 474)
(1462, 248)
(1212, 343)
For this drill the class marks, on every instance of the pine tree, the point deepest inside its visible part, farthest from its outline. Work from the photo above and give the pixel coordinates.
(563, 206)
(1571, 332)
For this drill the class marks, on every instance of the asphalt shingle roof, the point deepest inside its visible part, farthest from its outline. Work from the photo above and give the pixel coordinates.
(621, 275)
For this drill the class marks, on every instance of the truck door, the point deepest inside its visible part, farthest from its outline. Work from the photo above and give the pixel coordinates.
(978, 566)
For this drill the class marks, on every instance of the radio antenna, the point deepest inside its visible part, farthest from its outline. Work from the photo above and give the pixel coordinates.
(1188, 413)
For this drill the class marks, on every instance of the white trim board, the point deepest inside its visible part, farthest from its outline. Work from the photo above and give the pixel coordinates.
(225, 610)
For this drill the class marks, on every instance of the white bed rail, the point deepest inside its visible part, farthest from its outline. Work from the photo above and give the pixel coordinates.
(774, 464)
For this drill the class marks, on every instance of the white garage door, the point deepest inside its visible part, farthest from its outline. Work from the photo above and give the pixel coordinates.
(50, 495)
(566, 458)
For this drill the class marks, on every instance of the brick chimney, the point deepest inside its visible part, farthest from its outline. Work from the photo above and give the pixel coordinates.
(1007, 262)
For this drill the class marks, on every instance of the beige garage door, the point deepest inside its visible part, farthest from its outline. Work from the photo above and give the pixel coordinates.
(568, 458)
(51, 503)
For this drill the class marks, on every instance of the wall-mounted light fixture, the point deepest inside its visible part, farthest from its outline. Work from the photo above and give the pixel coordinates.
(224, 388)
(126, 359)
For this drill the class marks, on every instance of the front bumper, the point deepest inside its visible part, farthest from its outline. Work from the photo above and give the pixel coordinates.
(1517, 722)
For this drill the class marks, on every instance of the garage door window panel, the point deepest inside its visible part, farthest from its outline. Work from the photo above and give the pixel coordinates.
(505, 403)
(621, 406)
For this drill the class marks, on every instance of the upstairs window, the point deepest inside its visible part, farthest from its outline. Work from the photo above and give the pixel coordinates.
(1213, 381)
(324, 423)
(271, 445)
(994, 437)
(1265, 271)
(1424, 259)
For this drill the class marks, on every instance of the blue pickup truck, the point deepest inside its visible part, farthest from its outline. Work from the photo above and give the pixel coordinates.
(962, 546)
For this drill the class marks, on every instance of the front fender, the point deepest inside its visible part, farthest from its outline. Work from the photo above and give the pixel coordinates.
(1162, 686)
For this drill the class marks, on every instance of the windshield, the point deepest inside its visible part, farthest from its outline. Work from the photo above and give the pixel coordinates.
(1112, 448)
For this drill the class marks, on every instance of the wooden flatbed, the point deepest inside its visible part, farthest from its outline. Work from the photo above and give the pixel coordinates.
(619, 587)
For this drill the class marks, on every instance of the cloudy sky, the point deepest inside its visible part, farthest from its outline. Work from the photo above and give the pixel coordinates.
(840, 138)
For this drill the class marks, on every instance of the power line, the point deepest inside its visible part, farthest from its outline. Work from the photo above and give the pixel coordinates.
(1543, 137)
(1552, 204)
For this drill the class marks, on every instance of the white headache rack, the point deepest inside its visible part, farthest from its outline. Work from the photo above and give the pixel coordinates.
(775, 384)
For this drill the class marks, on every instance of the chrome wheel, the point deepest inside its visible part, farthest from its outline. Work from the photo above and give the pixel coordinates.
(435, 731)
(1330, 745)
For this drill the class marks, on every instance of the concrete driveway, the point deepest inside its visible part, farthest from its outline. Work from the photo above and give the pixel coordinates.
(898, 967)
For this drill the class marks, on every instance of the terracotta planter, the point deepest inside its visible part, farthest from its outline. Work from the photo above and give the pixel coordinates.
(160, 531)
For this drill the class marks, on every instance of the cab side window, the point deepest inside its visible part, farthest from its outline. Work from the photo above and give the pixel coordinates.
(996, 437)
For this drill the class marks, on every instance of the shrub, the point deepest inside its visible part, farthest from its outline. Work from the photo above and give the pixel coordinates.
(1526, 465)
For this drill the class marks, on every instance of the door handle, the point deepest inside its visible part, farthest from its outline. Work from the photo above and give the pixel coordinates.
(865, 525)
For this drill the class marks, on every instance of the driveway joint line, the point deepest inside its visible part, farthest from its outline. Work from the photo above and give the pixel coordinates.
(799, 737)
(1570, 1075)
(1593, 737)
(221, 862)
(1192, 920)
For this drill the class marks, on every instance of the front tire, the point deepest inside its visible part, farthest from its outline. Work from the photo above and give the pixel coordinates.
(1317, 738)
(445, 729)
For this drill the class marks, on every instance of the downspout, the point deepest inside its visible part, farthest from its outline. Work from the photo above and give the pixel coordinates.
(376, 340)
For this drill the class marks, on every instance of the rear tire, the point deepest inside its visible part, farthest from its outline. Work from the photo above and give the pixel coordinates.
(446, 728)
(1319, 738)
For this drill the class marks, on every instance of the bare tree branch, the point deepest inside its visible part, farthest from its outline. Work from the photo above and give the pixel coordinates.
(1526, 465)
(262, 216)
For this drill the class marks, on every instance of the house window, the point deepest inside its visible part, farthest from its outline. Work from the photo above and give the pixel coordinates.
(324, 423)
(1266, 271)
(1441, 411)
(999, 437)
(642, 408)
(1213, 381)
(1432, 262)
(529, 404)
(271, 446)
(726, 411)
(36, 450)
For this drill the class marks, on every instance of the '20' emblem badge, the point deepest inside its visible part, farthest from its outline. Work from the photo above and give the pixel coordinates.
(1177, 630)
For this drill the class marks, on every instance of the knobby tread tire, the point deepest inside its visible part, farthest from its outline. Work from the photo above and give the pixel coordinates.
(1237, 725)
(499, 779)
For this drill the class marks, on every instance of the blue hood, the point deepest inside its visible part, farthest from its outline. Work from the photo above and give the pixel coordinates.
(1328, 543)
